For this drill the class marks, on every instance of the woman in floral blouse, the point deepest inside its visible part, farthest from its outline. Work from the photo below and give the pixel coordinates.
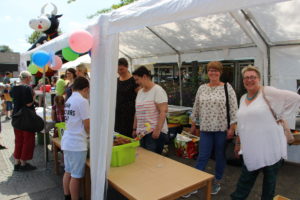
(210, 109)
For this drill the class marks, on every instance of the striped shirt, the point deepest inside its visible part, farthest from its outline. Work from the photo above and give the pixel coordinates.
(147, 113)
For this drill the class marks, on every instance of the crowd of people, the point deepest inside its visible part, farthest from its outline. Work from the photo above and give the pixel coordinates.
(141, 110)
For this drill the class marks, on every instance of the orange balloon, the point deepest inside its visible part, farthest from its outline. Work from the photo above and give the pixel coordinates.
(42, 69)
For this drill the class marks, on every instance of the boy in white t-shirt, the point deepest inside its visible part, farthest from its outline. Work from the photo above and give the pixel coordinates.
(74, 140)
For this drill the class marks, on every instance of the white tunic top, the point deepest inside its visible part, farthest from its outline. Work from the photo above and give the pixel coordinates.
(263, 142)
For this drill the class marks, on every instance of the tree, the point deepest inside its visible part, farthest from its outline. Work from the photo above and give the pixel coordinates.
(5, 48)
(113, 7)
(34, 37)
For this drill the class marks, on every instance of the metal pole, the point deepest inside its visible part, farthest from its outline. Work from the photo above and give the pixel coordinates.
(44, 116)
(179, 74)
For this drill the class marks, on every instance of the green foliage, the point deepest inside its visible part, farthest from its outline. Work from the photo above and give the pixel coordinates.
(34, 37)
(5, 48)
(113, 7)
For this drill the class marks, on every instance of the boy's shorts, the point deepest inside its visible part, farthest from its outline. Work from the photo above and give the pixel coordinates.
(8, 105)
(75, 163)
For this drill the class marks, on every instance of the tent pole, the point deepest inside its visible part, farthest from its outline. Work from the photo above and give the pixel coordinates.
(44, 116)
(179, 74)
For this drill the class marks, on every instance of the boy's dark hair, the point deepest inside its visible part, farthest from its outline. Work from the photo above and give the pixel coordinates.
(123, 62)
(80, 83)
(62, 76)
(7, 73)
(141, 71)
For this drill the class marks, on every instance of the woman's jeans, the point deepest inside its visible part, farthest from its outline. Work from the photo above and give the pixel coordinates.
(155, 145)
(208, 141)
(247, 180)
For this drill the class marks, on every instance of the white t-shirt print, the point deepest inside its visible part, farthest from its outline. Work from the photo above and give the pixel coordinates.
(76, 110)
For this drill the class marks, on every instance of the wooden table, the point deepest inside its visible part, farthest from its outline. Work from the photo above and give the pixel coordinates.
(150, 177)
(153, 177)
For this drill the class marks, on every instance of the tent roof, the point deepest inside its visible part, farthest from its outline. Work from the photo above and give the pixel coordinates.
(278, 24)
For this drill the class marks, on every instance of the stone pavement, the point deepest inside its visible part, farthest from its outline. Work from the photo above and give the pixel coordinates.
(40, 184)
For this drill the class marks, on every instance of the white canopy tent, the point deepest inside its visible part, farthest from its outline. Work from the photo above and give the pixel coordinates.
(150, 31)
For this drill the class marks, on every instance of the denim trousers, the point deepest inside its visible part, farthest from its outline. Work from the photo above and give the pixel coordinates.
(208, 141)
(155, 145)
(247, 180)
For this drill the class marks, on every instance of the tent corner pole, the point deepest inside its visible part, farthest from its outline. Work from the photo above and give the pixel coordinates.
(180, 82)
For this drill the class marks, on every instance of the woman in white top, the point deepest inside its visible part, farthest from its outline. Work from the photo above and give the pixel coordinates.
(210, 109)
(151, 107)
(261, 139)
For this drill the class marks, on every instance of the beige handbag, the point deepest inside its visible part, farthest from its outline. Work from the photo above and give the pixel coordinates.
(287, 131)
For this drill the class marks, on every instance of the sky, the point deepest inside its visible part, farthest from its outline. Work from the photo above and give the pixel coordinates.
(16, 14)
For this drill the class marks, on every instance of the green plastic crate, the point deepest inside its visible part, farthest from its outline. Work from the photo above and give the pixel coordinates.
(124, 154)
(61, 127)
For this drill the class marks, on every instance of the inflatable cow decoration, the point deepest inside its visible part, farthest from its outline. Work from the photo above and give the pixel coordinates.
(46, 23)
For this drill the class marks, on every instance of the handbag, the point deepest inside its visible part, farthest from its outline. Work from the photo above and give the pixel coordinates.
(287, 131)
(27, 120)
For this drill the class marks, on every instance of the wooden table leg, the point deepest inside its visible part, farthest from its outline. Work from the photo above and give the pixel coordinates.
(207, 191)
(55, 155)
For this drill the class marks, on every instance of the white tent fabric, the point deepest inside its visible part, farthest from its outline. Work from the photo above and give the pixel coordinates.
(163, 30)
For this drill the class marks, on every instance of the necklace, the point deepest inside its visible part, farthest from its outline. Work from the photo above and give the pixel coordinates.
(251, 98)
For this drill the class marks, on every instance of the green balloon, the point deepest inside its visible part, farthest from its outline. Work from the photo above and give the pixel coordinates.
(32, 68)
(68, 54)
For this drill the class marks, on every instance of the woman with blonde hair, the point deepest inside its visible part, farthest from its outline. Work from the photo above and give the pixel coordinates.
(82, 71)
(261, 138)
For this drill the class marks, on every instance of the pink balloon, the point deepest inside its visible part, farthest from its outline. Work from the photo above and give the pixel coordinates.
(57, 63)
(81, 41)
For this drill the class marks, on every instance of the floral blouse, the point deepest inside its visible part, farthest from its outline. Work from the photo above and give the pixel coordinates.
(210, 107)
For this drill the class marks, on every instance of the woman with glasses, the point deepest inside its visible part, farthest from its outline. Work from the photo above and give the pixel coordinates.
(261, 139)
(210, 109)
(70, 76)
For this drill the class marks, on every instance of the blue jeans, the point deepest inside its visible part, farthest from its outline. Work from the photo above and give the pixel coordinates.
(208, 140)
(155, 145)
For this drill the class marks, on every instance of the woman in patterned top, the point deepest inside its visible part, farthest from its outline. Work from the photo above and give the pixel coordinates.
(210, 109)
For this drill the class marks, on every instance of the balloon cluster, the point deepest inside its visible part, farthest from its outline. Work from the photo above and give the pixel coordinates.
(42, 59)
(80, 42)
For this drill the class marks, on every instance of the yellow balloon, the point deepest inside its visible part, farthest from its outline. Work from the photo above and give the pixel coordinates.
(41, 69)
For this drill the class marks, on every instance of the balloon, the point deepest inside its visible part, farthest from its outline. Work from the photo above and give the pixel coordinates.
(40, 58)
(41, 69)
(56, 63)
(68, 54)
(32, 68)
(81, 41)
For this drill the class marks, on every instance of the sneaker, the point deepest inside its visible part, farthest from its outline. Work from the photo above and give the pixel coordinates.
(27, 167)
(17, 167)
(216, 187)
(189, 194)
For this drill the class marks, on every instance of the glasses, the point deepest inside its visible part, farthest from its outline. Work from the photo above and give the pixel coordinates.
(213, 70)
(251, 78)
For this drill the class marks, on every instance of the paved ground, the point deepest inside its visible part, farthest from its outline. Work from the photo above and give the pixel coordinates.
(43, 184)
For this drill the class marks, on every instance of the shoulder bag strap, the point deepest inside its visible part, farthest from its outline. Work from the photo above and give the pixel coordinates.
(227, 105)
(268, 103)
